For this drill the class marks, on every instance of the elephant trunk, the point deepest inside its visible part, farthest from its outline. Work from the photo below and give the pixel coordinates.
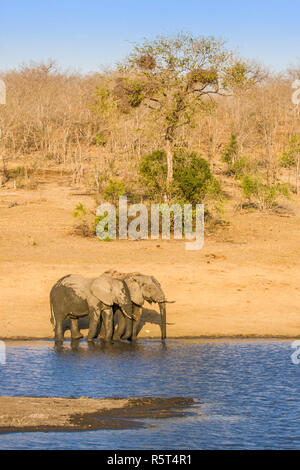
(163, 316)
(52, 319)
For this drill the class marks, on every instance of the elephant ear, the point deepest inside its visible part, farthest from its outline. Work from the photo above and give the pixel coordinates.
(135, 291)
(102, 289)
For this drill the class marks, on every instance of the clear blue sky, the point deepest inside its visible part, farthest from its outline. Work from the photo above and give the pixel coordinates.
(85, 35)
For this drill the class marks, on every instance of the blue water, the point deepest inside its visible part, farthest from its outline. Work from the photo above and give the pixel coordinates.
(247, 392)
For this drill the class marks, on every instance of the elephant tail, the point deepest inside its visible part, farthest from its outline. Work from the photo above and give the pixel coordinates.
(52, 320)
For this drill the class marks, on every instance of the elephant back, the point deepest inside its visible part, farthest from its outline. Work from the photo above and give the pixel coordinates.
(78, 284)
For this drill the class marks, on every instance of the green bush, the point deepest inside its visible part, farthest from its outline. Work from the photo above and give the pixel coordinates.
(230, 151)
(100, 139)
(19, 171)
(193, 180)
(113, 191)
(83, 228)
(79, 211)
(287, 160)
(153, 171)
(263, 195)
(237, 165)
(241, 166)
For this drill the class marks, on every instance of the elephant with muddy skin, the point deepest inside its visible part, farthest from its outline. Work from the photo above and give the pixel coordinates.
(75, 296)
(141, 288)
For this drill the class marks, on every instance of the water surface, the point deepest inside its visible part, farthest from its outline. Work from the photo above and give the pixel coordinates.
(247, 392)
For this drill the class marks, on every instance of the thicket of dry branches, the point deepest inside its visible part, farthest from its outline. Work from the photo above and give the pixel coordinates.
(52, 119)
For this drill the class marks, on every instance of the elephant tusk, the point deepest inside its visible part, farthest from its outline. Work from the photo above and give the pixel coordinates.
(126, 315)
(131, 318)
(168, 302)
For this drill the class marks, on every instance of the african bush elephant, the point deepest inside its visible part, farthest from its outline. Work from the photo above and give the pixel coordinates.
(141, 288)
(75, 296)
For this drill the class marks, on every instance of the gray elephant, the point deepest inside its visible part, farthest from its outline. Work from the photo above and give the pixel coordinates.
(141, 288)
(75, 296)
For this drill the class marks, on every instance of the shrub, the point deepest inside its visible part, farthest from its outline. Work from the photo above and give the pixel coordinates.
(83, 228)
(230, 151)
(79, 211)
(114, 190)
(291, 157)
(16, 172)
(287, 160)
(193, 178)
(264, 195)
(241, 166)
(237, 165)
(153, 171)
(100, 139)
(192, 182)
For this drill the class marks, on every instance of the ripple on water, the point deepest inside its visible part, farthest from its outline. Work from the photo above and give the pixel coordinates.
(247, 392)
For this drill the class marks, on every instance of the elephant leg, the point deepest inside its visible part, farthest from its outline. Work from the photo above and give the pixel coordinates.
(128, 329)
(99, 326)
(137, 313)
(108, 320)
(75, 332)
(94, 321)
(121, 326)
(59, 331)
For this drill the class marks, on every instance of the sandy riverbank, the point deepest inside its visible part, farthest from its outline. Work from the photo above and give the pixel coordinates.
(20, 414)
(245, 281)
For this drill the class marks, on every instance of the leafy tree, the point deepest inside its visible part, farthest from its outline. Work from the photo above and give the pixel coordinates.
(175, 77)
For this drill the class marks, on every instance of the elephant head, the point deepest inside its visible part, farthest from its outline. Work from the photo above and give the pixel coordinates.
(147, 288)
(111, 291)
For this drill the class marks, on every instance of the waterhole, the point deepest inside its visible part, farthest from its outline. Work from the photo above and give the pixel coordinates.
(246, 392)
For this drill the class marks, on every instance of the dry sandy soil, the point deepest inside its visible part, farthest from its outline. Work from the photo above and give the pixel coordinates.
(244, 282)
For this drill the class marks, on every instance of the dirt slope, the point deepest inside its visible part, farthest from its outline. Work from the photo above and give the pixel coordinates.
(245, 281)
